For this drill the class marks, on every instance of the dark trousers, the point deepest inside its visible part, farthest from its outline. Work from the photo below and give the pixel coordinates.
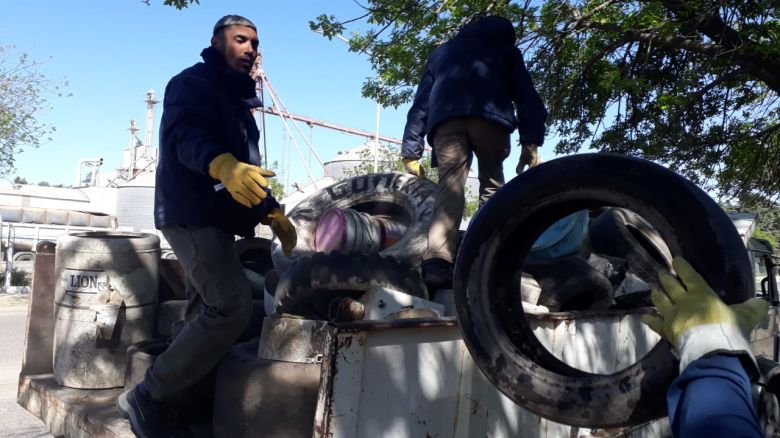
(219, 308)
(453, 143)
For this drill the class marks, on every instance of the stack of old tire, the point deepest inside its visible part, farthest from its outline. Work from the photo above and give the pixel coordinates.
(324, 268)
(272, 394)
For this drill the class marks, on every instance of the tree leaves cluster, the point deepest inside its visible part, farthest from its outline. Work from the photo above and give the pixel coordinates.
(24, 89)
(692, 84)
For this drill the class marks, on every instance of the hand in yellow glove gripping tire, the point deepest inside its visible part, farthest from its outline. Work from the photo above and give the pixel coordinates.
(414, 167)
(245, 183)
(695, 320)
(283, 229)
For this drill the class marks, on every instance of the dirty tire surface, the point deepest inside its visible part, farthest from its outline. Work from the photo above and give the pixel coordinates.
(400, 197)
(312, 282)
(494, 326)
(570, 283)
(620, 233)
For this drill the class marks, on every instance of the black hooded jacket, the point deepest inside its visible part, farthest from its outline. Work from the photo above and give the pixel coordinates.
(478, 73)
(206, 112)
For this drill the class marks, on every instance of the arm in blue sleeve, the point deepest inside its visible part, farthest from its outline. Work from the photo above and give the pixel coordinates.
(531, 114)
(413, 143)
(189, 110)
(712, 398)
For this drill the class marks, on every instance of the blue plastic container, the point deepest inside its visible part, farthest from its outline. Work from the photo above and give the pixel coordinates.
(561, 238)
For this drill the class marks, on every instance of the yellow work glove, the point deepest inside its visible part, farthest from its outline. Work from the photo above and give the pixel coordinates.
(528, 157)
(244, 182)
(283, 229)
(414, 167)
(695, 320)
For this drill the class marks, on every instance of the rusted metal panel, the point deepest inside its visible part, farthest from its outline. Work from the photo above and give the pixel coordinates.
(293, 340)
(421, 381)
(762, 340)
(370, 326)
(348, 383)
(39, 335)
(381, 302)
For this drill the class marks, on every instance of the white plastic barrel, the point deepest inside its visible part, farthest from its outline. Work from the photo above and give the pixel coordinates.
(105, 301)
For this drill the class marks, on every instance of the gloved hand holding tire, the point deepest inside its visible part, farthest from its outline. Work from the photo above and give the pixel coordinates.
(414, 167)
(696, 321)
(283, 229)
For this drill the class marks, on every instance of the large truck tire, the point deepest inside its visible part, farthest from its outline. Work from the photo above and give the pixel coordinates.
(312, 283)
(255, 254)
(399, 197)
(622, 233)
(492, 321)
(570, 283)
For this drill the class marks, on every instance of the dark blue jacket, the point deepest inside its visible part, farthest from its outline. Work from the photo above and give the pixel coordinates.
(206, 112)
(712, 398)
(478, 73)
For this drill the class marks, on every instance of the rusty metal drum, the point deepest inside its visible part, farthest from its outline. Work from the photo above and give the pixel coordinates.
(105, 300)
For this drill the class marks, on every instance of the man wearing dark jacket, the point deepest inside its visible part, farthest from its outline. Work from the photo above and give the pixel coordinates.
(209, 189)
(474, 92)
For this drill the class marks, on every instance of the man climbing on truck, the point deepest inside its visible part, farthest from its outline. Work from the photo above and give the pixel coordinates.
(474, 92)
(209, 189)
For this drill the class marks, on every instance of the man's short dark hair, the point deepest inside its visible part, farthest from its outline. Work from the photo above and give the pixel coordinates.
(232, 20)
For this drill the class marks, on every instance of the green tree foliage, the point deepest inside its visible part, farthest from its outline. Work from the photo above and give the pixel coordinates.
(472, 204)
(761, 234)
(388, 160)
(18, 277)
(19, 180)
(692, 84)
(768, 222)
(24, 90)
(275, 184)
(178, 4)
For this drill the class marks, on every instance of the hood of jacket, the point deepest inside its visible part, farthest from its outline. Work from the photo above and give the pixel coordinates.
(492, 27)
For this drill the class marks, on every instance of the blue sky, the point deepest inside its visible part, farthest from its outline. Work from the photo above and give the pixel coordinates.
(112, 52)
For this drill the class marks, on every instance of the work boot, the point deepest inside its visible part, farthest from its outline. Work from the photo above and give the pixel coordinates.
(437, 274)
(147, 416)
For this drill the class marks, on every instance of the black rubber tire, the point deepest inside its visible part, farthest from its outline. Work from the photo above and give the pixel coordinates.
(255, 254)
(621, 233)
(311, 283)
(401, 197)
(570, 283)
(494, 326)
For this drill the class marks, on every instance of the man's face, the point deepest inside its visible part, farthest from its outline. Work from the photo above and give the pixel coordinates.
(238, 44)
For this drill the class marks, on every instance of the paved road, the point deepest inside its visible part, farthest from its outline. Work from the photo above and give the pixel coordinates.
(14, 420)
